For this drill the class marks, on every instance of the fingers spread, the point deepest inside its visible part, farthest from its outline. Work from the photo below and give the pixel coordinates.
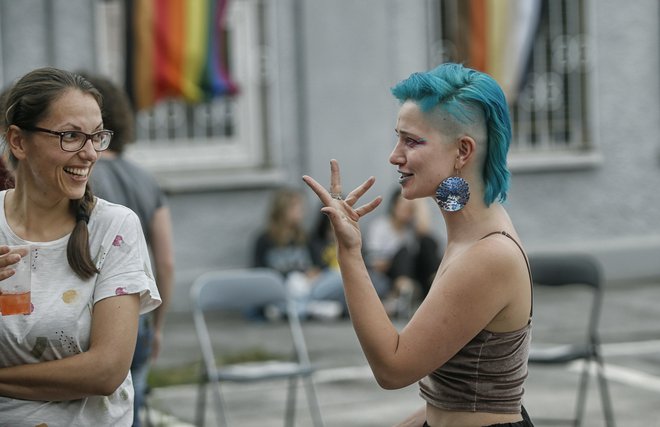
(365, 209)
(355, 195)
(335, 178)
(335, 207)
(321, 192)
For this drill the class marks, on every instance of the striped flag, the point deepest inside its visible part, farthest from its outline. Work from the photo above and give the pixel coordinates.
(176, 49)
(496, 37)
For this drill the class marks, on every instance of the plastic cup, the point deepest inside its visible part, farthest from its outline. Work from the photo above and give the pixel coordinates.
(15, 290)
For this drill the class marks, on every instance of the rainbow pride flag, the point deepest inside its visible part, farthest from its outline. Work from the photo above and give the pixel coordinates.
(176, 49)
(497, 36)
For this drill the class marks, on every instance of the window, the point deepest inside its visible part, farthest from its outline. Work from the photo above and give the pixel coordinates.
(218, 143)
(540, 52)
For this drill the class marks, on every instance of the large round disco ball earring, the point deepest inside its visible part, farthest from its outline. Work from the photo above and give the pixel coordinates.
(452, 194)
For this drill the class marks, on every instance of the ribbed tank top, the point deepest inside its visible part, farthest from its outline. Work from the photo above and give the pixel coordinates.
(486, 375)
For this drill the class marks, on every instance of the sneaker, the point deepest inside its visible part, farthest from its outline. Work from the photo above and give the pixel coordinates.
(324, 309)
(404, 304)
(273, 313)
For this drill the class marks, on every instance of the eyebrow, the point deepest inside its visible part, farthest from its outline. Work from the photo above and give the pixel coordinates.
(410, 135)
(71, 126)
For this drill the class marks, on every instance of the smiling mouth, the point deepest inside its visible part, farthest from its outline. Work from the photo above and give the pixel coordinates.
(403, 177)
(77, 171)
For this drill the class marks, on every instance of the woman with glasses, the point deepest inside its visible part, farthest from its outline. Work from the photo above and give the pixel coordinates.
(66, 361)
(467, 344)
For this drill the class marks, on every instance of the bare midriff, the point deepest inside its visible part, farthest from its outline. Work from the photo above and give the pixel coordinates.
(437, 417)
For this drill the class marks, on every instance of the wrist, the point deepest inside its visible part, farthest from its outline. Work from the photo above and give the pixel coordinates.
(349, 252)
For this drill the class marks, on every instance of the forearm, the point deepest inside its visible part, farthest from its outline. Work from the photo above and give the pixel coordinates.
(377, 335)
(164, 281)
(163, 251)
(75, 377)
(97, 371)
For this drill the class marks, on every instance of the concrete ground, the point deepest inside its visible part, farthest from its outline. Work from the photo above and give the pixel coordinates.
(630, 331)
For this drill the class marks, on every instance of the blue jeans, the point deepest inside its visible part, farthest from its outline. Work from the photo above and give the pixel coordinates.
(140, 365)
(329, 287)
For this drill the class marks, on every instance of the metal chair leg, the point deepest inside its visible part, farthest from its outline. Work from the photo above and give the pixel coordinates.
(219, 405)
(291, 395)
(606, 402)
(582, 393)
(312, 402)
(200, 407)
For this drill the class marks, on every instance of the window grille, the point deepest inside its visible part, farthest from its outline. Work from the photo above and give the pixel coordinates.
(551, 110)
(223, 133)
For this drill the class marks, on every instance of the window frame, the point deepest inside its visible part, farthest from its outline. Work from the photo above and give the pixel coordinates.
(242, 159)
(583, 154)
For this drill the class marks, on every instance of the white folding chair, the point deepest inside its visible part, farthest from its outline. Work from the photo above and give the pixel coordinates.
(238, 292)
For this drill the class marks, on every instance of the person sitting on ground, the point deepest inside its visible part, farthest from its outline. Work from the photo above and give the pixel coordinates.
(401, 247)
(285, 245)
(328, 286)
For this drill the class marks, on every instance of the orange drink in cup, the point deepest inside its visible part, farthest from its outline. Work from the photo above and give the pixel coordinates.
(15, 290)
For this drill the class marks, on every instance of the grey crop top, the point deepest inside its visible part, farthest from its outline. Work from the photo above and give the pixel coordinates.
(486, 375)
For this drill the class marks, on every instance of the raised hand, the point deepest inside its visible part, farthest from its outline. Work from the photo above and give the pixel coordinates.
(343, 216)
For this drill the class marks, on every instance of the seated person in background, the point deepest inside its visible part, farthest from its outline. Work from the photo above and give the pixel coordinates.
(283, 245)
(401, 248)
(307, 262)
(328, 286)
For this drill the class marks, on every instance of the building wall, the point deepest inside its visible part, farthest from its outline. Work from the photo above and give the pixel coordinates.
(609, 209)
(335, 62)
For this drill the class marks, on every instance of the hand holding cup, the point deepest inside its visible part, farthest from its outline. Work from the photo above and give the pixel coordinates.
(15, 280)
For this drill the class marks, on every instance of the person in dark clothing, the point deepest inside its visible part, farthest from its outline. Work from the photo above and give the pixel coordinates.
(119, 180)
(401, 247)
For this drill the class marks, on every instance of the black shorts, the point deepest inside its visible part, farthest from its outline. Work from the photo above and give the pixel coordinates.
(526, 422)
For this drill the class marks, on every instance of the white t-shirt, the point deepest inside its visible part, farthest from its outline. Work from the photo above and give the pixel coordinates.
(59, 325)
(383, 241)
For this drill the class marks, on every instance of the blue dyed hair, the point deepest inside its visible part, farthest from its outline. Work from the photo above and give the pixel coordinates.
(457, 91)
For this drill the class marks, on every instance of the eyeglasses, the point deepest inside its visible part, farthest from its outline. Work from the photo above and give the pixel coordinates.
(75, 140)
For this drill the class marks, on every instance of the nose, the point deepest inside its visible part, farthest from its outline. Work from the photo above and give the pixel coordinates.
(87, 151)
(396, 156)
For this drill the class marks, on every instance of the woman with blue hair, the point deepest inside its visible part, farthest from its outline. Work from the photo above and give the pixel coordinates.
(468, 342)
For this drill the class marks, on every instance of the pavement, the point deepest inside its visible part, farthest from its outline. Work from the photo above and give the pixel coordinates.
(349, 396)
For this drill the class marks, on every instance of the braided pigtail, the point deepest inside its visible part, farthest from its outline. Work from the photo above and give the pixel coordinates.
(77, 251)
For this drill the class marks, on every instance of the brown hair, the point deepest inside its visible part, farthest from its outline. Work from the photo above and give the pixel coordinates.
(28, 102)
(117, 111)
(6, 176)
(278, 229)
